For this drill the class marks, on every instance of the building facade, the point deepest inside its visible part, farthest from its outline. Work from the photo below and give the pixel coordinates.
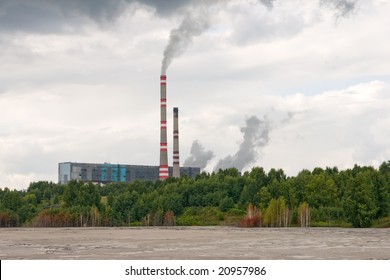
(107, 173)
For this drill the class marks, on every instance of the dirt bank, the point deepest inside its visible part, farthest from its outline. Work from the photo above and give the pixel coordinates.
(194, 243)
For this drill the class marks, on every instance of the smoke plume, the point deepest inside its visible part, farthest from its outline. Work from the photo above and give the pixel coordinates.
(196, 21)
(256, 135)
(194, 24)
(199, 156)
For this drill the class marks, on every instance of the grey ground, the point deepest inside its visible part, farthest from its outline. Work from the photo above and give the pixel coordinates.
(194, 243)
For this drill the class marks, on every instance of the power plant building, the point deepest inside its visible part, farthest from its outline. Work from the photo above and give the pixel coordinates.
(108, 173)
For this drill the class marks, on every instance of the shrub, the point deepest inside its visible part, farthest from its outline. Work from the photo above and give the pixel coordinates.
(252, 217)
(225, 204)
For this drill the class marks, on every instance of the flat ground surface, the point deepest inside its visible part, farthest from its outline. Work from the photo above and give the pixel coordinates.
(194, 243)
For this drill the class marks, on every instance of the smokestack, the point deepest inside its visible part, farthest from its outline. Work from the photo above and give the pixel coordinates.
(163, 174)
(176, 161)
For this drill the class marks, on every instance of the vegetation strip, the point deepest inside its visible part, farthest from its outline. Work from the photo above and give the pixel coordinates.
(358, 197)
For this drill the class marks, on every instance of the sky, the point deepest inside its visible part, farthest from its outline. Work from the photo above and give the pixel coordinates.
(280, 84)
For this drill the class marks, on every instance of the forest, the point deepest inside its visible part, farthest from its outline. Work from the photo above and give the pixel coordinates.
(357, 197)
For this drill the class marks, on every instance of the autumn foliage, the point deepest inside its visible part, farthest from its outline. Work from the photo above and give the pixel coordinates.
(169, 219)
(252, 217)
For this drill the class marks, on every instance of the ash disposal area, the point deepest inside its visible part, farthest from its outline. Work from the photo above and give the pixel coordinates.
(195, 243)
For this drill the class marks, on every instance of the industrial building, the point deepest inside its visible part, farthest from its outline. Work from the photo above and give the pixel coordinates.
(107, 173)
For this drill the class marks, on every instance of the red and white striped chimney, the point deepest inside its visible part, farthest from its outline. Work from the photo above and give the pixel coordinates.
(176, 161)
(163, 172)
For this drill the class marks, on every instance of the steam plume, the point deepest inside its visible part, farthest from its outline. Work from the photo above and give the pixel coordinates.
(199, 157)
(256, 134)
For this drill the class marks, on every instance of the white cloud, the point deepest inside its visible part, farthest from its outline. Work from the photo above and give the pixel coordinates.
(338, 128)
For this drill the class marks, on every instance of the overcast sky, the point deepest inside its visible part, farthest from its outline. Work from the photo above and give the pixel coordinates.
(298, 84)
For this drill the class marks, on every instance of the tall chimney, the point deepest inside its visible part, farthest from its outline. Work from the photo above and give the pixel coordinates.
(176, 161)
(163, 174)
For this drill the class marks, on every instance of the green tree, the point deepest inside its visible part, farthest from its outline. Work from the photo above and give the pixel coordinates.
(277, 213)
(173, 202)
(382, 189)
(12, 200)
(70, 193)
(88, 195)
(264, 198)
(359, 201)
(249, 194)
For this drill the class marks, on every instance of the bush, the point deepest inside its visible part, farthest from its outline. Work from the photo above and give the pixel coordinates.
(252, 217)
(382, 223)
(169, 219)
(200, 216)
(226, 203)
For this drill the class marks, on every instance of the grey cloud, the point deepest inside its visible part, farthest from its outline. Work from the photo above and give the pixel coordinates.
(342, 7)
(256, 135)
(49, 16)
(29, 16)
(254, 28)
(167, 7)
(268, 3)
(289, 116)
(99, 10)
(199, 156)
(267, 27)
(44, 16)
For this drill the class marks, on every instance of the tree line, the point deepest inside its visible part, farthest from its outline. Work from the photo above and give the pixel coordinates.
(356, 197)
